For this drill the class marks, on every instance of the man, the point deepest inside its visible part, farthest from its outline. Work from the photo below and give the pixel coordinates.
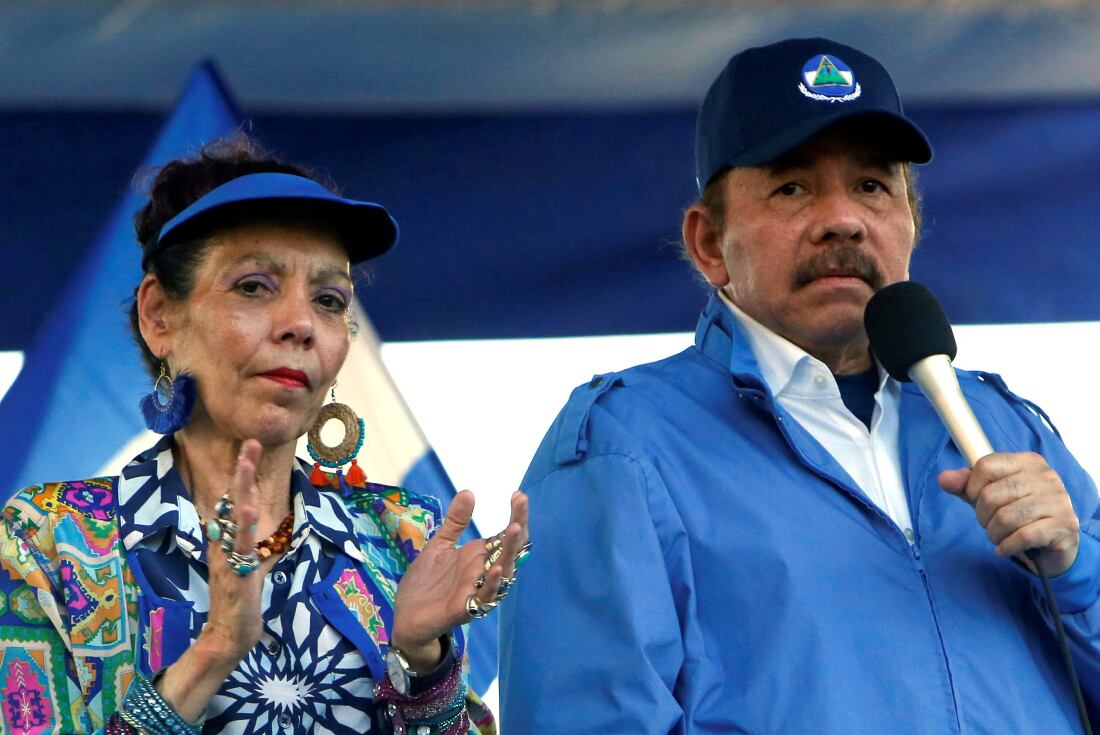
(765, 533)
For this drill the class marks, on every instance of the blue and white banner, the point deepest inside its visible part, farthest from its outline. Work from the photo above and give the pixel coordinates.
(75, 401)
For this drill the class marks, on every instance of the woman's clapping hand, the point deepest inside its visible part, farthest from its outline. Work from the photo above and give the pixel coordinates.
(433, 594)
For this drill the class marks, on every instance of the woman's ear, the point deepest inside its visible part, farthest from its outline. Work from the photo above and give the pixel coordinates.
(154, 316)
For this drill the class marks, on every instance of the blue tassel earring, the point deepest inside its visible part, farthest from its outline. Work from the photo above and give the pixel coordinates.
(168, 407)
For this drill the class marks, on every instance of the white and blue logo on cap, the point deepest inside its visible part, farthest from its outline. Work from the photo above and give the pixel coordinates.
(828, 79)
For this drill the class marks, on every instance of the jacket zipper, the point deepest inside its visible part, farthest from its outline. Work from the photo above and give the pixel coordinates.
(914, 552)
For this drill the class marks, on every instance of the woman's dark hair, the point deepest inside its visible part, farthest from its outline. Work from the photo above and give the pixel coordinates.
(175, 187)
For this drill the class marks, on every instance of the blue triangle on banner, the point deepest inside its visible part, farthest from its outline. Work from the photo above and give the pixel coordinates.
(74, 403)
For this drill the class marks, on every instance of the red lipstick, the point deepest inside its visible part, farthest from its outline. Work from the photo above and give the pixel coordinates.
(287, 377)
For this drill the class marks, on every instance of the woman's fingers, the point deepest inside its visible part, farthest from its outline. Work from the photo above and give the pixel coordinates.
(458, 517)
(235, 619)
(515, 536)
(519, 508)
(487, 593)
(243, 495)
(498, 557)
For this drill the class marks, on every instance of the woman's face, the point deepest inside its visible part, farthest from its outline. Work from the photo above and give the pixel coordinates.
(265, 330)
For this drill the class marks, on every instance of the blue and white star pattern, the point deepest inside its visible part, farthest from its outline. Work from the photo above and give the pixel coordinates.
(314, 669)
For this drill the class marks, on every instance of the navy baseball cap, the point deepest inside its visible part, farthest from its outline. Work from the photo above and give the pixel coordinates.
(366, 229)
(771, 99)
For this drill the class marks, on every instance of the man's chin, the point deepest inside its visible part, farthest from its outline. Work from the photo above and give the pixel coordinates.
(835, 320)
(835, 298)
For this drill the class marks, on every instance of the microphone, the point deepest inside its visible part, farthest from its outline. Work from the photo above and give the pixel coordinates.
(912, 339)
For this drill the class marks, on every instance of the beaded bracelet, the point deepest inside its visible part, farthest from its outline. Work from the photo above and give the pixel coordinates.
(116, 726)
(440, 710)
(144, 709)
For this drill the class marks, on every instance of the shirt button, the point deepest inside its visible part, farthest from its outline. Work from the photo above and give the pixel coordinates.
(910, 536)
(279, 577)
(819, 379)
(273, 647)
(284, 721)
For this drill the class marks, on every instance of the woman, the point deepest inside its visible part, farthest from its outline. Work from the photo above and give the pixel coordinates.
(220, 584)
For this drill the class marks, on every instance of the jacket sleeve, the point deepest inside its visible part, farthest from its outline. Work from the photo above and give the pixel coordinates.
(593, 637)
(1077, 591)
(40, 690)
(412, 519)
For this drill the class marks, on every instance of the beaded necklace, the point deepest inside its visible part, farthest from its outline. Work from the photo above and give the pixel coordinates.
(276, 543)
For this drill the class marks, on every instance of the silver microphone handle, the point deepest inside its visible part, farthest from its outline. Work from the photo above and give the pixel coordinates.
(938, 382)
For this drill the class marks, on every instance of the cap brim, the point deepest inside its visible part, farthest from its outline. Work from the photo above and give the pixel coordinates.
(895, 133)
(366, 229)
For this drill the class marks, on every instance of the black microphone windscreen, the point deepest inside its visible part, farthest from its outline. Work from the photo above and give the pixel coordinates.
(906, 324)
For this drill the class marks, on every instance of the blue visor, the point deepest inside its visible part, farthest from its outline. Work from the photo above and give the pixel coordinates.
(366, 229)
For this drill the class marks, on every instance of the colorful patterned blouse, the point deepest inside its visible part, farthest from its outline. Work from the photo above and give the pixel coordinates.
(107, 576)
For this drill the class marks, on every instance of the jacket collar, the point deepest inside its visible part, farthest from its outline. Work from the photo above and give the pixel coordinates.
(723, 338)
(153, 500)
(719, 336)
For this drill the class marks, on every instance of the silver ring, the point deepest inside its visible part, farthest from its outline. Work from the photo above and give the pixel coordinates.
(223, 507)
(242, 564)
(228, 536)
(477, 609)
(505, 586)
(223, 531)
(523, 553)
(493, 557)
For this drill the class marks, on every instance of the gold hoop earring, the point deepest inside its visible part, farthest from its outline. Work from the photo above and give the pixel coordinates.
(337, 455)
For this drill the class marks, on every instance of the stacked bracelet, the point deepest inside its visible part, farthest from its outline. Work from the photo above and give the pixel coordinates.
(116, 726)
(440, 710)
(144, 709)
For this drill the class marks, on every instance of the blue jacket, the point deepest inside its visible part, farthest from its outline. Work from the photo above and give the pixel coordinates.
(703, 565)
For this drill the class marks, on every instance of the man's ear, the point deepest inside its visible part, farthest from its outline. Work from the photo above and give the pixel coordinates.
(703, 242)
(154, 316)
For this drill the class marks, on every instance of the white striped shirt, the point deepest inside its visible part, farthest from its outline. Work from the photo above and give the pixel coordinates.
(806, 388)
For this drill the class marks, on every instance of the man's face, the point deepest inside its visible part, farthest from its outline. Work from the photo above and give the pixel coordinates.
(809, 238)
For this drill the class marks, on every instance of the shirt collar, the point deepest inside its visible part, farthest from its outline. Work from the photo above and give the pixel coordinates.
(322, 513)
(751, 348)
(783, 364)
(152, 500)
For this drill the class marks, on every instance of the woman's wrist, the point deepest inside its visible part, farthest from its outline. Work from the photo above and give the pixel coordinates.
(422, 659)
(190, 683)
(439, 709)
(145, 711)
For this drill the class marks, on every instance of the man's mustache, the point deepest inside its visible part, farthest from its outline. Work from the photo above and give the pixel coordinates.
(840, 261)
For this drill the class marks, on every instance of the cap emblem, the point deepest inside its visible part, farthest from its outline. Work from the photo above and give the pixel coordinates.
(828, 79)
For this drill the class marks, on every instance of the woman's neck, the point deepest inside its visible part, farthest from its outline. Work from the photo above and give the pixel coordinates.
(207, 463)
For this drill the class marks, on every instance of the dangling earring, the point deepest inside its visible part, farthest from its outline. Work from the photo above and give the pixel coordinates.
(339, 455)
(168, 407)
